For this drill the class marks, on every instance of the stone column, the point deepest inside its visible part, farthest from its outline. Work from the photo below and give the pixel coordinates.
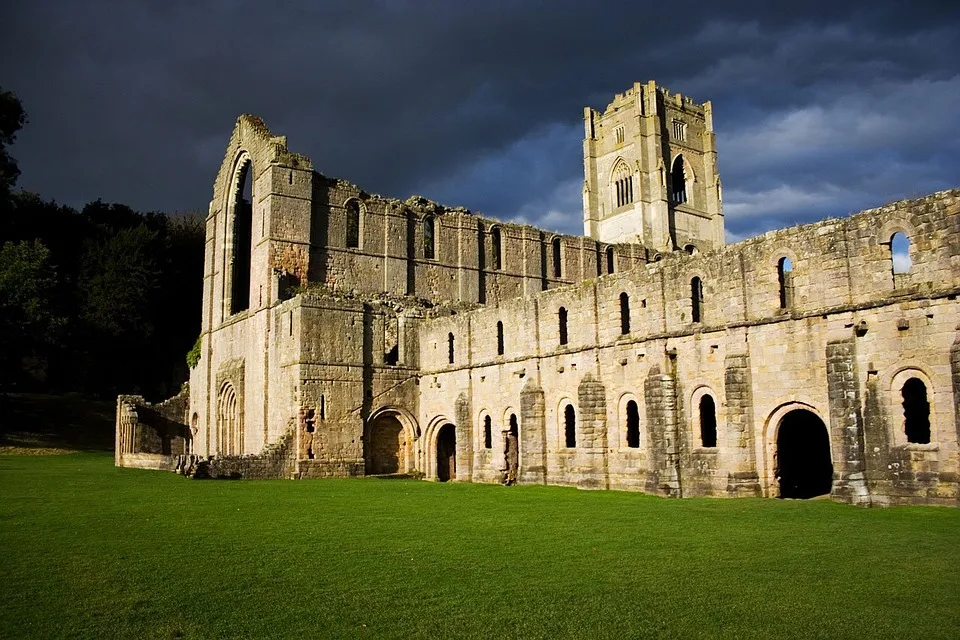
(742, 479)
(592, 398)
(533, 435)
(663, 473)
(846, 422)
(464, 428)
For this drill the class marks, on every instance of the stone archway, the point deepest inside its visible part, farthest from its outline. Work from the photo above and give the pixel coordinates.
(447, 453)
(385, 446)
(803, 467)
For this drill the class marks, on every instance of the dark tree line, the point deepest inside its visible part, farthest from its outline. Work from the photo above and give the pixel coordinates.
(101, 301)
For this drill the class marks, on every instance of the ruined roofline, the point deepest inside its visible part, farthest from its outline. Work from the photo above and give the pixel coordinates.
(737, 247)
(903, 203)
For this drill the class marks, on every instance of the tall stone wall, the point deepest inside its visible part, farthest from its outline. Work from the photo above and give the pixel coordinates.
(841, 348)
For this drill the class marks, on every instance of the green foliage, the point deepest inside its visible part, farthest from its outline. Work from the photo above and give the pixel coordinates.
(95, 551)
(12, 119)
(28, 323)
(193, 356)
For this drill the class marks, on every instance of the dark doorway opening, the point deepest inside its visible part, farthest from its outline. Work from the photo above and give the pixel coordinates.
(447, 453)
(383, 446)
(804, 468)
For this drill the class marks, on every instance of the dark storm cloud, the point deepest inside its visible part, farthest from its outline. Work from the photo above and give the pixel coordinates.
(820, 110)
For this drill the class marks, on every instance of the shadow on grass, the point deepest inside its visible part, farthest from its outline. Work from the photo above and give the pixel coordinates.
(39, 421)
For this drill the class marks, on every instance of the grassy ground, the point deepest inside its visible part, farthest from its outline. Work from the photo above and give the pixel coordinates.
(95, 551)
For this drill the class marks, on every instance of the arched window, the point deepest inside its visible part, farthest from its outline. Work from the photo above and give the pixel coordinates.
(570, 426)
(691, 249)
(353, 223)
(708, 421)
(557, 259)
(429, 238)
(678, 182)
(696, 299)
(487, 433)
(450, 347)
(562, 319)
(624, 313)
(900, 253)
(229, 423)
(499, 338)
(785, 276)
(633, 425)
(623, 184)
(916, 411)
(241, 240)
(497, 248)
(611, 260)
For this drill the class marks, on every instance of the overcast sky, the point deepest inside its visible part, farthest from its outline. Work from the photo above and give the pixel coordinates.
(819, 111)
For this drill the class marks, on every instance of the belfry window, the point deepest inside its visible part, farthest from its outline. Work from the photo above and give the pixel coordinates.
(678, 182)
(623, 184)
(570, 426)
(916, 411)
(619, 134)
(696, 299)
(353, 223)
(562, 320)
(679, 130)
(624, 313)
(785, 277)
(429, 239)
(708, 421)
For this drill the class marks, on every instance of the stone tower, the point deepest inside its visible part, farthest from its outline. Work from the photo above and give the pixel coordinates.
(650, 171)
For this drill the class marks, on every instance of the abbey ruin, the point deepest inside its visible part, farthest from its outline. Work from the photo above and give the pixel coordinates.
(348, 334)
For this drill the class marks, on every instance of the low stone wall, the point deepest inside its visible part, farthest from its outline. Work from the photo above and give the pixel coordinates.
(276, 461)
(158, 430)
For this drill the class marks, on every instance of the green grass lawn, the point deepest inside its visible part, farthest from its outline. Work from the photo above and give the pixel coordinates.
(94, 551)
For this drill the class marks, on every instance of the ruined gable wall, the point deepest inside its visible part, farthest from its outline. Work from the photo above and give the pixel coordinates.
(750, 354)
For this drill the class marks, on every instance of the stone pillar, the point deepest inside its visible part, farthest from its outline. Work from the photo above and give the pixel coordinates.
(464, 428)
(955, 374)
(663, 473)
(592, 398)
(742, 479)
(533, 434)
(846, 422)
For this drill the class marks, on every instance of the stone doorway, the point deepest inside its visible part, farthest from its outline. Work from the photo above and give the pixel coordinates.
(384, 447)
(803, 465)
(447, 453)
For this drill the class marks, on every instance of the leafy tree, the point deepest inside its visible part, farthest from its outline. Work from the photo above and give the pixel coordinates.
(12, 119)
(28, 324)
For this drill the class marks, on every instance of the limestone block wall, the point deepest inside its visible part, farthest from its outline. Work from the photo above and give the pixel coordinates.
(391, 255)
(850, 334)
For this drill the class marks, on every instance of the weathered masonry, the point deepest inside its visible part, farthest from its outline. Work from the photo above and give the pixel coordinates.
(345, 333)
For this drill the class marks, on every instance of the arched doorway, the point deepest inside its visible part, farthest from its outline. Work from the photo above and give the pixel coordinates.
(803, 465)
(447, 453)
(384, 446)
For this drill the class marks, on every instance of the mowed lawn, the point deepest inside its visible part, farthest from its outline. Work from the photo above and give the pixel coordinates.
(94, 551)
